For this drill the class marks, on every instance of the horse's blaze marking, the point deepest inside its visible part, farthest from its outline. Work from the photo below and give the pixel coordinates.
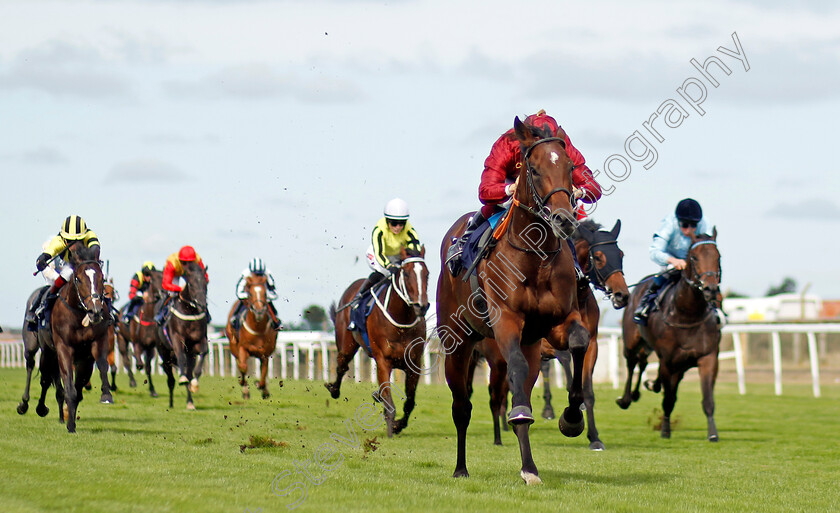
(91, 274)
(418, 271)
(554, 157)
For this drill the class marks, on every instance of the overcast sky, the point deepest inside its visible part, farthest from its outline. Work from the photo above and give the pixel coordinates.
(280, 129)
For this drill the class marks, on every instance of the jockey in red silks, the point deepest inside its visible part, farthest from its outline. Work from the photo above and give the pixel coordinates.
(174, 268)
(501, 169)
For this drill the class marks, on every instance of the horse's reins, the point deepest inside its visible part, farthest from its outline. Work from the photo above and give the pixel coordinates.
(190, 303)
(402, 292)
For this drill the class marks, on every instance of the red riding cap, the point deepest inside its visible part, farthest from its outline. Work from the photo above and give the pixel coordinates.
(540, 119)
(186, 254)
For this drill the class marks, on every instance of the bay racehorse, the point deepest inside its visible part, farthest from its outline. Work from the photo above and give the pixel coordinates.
(525, 290)
(141, 330)
(182, 340)
(397, 332)
(602, 261)
(79, 327)
(684, 332)
(256, 336)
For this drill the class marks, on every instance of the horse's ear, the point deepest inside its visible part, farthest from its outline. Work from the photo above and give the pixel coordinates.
(714, 233)
(616, 229)
(523, 133)
(422, 251)
(561, 134)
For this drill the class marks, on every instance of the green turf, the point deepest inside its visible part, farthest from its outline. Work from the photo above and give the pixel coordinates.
(776, 454)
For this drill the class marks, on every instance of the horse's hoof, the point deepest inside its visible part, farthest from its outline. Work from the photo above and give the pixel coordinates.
(665, 434)
(88, 386)
(22, 408)
(132, 383)
(42, 411)
(153, 393)
(194, 386)
(622, 403)
(571, 428)
(114, 387)
(636, 395)
(548, 413)
(335, 392)
(597, 445)
(650, 385)
(461, 472)
(183, 380)
(713, 438)
(265, 394)
(106, 399)
(190, 407)
(246, 393)
(530, 479)
(520, 415)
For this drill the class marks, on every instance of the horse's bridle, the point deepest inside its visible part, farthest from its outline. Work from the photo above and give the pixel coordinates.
(398, 284)
(541, 211)
(600, 280)
(93, 296)
(257, 311)
(696, 280)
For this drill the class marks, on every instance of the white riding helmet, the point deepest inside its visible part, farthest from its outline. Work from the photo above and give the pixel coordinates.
(396, 209)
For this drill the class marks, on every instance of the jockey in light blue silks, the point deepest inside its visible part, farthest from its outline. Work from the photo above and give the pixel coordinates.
(670, 248)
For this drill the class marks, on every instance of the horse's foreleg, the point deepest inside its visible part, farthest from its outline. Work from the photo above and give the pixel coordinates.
(47, 376)
(170, 378)
(571, 421)
(632, 359)
(150, 356)
(411, 379)
(180, 357)
(531, 356)
(102, 366)
(242, 366)
(71, 393)
(125, 356)
(670, 383)
(595, 442)
(264, 362)
(708, 367)
(383, 394)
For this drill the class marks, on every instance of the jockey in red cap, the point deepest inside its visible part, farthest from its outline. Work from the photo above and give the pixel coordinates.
(501, 169)
(174, 268)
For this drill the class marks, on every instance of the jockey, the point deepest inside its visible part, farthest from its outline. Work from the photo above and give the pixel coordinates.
(501, 170)
(174, 268)
(390, 235)
(139, 284)
(255, 268)
(74, 230)
(670, 248)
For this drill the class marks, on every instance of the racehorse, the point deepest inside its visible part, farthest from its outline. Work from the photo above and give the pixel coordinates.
(684, 332)
(48, 367)
(256, 336)
(141, 330)
(79, 326)
(397, 332)
(115, 341)
(183, 337)
(601, 259)
(525, 291)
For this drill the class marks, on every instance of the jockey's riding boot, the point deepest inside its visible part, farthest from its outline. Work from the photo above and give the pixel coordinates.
(234, 319)
(457, 246)
(161, 315)
(580, 276)
(46, 305)
(640, 316)
(276, 323)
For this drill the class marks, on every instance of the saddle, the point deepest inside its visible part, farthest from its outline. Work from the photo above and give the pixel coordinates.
(362, 310)
(475, 246)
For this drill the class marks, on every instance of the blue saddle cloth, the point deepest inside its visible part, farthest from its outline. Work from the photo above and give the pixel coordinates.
(471, 248)
(362, 310)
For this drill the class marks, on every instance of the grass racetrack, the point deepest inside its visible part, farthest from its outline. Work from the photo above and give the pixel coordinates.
(776, 454)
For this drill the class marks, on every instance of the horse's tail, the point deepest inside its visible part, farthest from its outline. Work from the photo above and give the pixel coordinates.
(332, 312)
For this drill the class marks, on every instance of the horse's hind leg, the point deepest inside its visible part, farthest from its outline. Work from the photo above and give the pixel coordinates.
(191, 357)
(23, 407)
(46, 380)
(708, 367)
(457, 370)
(102, 365)
(595, 442)
(198, 365)
(242, 367)
(347, 348)
(498, 395)
(125, 356)
(411, 379)
(383, 394)
(571, 421)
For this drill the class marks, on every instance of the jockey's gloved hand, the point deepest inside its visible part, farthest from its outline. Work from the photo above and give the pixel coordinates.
(41, 262)
(392, 268)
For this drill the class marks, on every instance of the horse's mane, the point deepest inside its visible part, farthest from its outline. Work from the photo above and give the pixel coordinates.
(589, 224)
(81, 253)
(413, 253)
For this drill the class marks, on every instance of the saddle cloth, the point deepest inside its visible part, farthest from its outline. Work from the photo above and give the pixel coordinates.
(362, 310)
